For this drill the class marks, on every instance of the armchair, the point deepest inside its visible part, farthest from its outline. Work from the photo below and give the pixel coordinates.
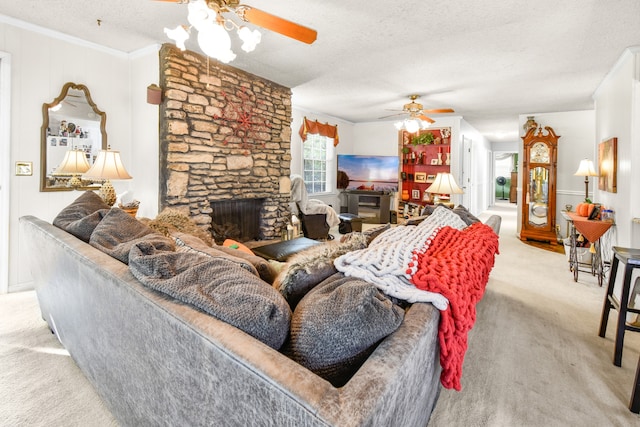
(316, 217)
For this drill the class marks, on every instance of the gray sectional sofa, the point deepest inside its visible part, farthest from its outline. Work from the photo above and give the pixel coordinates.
(156, 360)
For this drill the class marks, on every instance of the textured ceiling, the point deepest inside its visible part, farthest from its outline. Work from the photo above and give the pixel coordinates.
(489, 61)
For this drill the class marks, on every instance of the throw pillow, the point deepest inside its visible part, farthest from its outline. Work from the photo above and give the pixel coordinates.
(217, 286)
(459, 210)
(311, 266)
(118, 231)
(372, 233)
(82, 216)
(337, 326)
(465, 215)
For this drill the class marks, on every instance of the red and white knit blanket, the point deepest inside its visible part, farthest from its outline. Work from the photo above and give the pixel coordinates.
(440, 261)
(457, 265)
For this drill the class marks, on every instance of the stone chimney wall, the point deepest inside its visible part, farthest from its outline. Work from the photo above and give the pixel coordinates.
(224, 134)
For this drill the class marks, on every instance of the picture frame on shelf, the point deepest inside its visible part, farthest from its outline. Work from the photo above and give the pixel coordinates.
(415, 194)
(421, 177)
(434, 162)
(431, 178)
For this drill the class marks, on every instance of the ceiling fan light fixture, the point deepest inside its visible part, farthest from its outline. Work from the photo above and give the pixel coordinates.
(215, 42)
(198, 14)
(250, 38)
(179, 35)
(411, 125)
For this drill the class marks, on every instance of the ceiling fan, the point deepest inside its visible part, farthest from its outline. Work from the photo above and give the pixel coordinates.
(416, 111)
(259, 18)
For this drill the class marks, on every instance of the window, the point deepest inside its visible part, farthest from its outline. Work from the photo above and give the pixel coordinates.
(318, 164)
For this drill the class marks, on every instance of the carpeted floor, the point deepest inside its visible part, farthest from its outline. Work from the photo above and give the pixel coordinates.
(534, 357)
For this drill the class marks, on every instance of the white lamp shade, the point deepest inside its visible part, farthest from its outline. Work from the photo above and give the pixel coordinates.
(74, 162)
(586, 168)
(444, 183)
(108, 165)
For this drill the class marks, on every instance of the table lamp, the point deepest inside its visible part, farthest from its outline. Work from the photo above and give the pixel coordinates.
(444, 183)
(586, 169)
(74, 163)
(107, 166)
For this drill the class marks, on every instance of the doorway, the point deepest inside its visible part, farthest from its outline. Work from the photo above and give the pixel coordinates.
(505, 167)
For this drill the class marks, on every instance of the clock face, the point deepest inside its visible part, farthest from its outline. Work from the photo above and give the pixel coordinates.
(539, 153)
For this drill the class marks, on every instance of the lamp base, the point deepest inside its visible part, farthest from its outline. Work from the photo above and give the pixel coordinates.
(108, 193)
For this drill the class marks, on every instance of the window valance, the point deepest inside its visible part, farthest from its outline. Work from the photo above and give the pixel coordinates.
(315, 127)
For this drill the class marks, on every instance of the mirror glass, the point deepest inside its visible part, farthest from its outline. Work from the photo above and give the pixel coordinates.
(72, 123)
(538, 196)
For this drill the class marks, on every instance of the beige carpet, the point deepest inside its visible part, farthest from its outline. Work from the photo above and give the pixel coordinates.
(534, 358)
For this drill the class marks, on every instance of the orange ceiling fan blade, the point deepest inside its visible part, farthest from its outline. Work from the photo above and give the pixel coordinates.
(439, 110)
(277, 24)
(425, 118)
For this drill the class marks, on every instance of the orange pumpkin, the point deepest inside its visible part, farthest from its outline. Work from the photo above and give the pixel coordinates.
(584, 209)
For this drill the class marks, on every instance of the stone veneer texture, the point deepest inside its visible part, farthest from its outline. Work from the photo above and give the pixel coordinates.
(224, 134)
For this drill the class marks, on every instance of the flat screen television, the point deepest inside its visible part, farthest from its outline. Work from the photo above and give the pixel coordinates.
(372, 173)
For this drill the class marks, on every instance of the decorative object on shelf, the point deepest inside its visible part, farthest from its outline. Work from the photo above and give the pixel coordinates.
(444, 185)
(154, 94)
(415, 194)
(439, 158)
(434, 162)
(539, 157)
(529, 124)
(608, 165)
(448, 159)
(423, 139)
(75, 164)
(213, 28)
(405, 195)
(446, 135)
(586, 169)
(420, 177)
(431, 178)
(107, 166)
(426, 197)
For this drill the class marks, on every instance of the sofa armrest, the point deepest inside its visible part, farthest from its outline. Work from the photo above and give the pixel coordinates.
(494, 221)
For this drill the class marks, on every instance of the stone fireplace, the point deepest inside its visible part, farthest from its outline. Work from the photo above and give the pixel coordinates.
(225, 135)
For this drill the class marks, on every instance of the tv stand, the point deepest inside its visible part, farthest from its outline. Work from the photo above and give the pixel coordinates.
(376, 199)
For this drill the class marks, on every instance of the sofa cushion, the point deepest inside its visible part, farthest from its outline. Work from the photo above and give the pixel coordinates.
(459, 210)
(82, 216)
(337, 325)
(311, 266)
(216, 285)
(188, 243)
(118, 231)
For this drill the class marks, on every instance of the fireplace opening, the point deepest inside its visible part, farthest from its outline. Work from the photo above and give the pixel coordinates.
(236, 219)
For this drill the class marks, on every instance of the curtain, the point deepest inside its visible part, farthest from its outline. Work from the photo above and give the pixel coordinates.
(315, 127)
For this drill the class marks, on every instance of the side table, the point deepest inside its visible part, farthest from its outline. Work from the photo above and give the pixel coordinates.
(592, 230)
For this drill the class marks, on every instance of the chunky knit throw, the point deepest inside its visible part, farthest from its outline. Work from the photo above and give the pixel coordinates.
(457, 265)
(441, 261)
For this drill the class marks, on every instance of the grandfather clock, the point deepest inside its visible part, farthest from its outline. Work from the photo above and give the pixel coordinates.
(539, 185)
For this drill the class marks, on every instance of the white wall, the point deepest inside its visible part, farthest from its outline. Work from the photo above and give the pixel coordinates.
(145, 132)
(41, 63)
(617, 115)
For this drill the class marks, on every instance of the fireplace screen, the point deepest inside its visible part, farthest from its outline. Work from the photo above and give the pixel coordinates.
(237, 219)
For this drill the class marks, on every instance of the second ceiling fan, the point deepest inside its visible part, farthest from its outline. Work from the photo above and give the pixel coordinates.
(417, 111)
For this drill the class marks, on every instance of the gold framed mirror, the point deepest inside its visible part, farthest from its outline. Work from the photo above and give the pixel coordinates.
(72, 134)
